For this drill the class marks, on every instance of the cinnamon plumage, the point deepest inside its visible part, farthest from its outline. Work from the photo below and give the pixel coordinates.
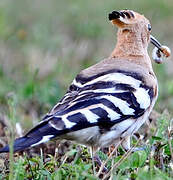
(110, 100)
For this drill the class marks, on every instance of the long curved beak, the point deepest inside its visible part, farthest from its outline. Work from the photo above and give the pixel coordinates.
(158, 49)
(155, 42)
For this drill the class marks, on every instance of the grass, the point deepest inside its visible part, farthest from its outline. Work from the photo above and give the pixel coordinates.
(43, 45)
(155, 162)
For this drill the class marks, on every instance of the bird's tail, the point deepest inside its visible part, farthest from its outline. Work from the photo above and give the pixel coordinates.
(42, 133)
(21, 144)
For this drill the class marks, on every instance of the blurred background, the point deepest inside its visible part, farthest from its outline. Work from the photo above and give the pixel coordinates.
(44, 44)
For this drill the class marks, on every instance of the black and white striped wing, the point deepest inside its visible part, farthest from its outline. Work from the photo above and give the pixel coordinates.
(102, 100)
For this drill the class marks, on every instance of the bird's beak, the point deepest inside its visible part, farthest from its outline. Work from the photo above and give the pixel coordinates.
(159, 48)
(155, 42)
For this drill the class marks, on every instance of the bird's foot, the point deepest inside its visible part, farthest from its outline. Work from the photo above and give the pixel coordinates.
(99, 162)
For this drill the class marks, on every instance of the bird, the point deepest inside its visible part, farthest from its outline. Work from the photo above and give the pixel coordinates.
(109, 101)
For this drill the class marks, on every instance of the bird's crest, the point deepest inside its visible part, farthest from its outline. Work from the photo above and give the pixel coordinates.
(125, 17)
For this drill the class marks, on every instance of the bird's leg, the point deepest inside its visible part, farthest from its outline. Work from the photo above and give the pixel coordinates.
(99, 162)
(92, 152)
(126, 145)
(77, 154)
(95, 158)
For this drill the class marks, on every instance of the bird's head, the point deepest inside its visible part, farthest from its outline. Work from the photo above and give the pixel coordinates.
(134, 29)
(132, 25)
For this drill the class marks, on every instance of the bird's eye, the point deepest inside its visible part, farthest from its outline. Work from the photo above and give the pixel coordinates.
(149, 27)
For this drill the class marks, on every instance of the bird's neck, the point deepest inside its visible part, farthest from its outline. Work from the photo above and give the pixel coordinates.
(130, 46)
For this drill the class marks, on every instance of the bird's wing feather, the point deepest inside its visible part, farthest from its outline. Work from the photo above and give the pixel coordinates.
(103, 100)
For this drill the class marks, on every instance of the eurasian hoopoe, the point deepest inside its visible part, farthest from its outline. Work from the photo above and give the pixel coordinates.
(110, 100)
